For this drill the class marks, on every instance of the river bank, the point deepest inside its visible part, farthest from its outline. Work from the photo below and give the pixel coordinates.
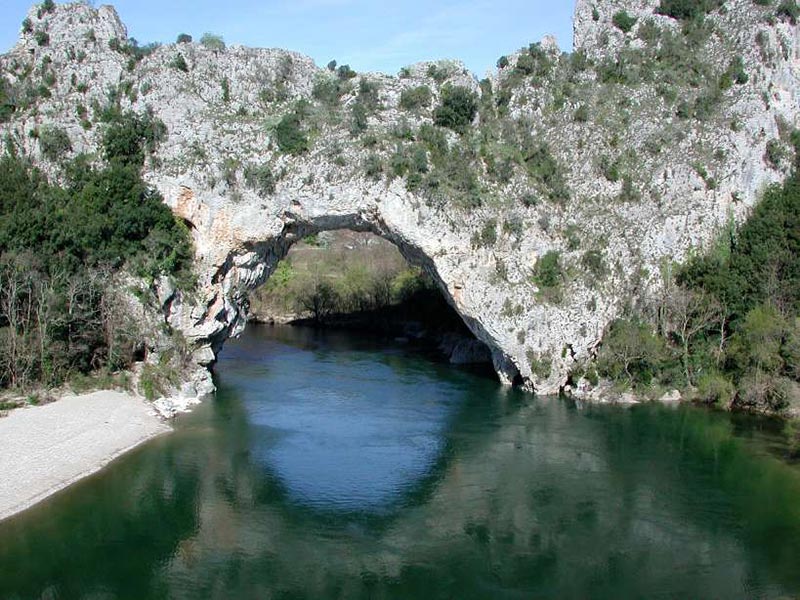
(48, 448)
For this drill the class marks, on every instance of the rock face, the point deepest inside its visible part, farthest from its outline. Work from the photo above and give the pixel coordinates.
(604, 156)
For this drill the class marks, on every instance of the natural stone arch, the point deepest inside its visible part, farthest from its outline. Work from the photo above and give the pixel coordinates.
(236, 266)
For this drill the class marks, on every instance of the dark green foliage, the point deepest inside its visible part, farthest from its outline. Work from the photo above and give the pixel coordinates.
(129, 138)
(632, 353)
(180, 63)
(329, 90)
(688, 9)
(106, 216)
(453, 176)
(332, 66)
(184, 38)
(623, 21)
(764, 261)
(439, 73)
(373, 167)
(544, 169)
(503, 62)
(54, 142)
(48, 6)
(775, 153)
(368, 95)
(755, 280)
(415, 98)
(788, 9)
(359, 122)
(60, 248)
(7, 105)
(344, 73)
(290, 136)
(594, 264)
(548, 273)
(534, 61)
(260, 178)
(487, 236)
(458, 109)
(42, 38)
(132, 49)
(27, 26)
(226, 89)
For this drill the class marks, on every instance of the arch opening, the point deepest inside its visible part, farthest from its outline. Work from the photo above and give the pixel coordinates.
(354, 279)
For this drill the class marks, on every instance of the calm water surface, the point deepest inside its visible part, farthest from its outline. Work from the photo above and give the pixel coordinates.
(331, 466)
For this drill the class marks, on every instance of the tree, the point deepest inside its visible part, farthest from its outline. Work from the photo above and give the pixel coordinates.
(689, 315)
(344, 72)
(631, 351)
(213, 42)
(457, 110)
(320, 300)
(184, 38)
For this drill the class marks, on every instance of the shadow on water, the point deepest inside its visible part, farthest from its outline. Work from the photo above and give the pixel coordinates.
(269, 492)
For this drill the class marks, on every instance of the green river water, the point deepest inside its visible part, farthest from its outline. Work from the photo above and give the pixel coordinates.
(333, 466)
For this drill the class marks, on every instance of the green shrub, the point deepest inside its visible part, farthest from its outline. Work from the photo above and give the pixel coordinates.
(438, 72)
(184, 38)
(54, 142)
(775, 154)
(130, 137)
(541, 365)
(593, 262)
(688, 9)
(225, 84)
(543, 168)
(41, 37)
(260, 178)
(344, 73)
(715, 389)
(487, 237)
(180, 63)
(631, 352)
(457, 110)
(359, 121)
(373, 167)
(789, 10)
(623, 21)
(415, 98)
(328, 90)
(548, 277)
(290, 136)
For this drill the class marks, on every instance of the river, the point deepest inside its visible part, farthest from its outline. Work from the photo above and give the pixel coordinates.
(337, 466)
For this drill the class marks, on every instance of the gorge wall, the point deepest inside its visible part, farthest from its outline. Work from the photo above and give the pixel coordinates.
(582, 177)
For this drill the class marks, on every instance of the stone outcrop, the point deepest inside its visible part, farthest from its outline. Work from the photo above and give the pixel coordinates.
(683, 177)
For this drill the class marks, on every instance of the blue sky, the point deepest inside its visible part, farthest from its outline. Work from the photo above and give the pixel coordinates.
(367, 34)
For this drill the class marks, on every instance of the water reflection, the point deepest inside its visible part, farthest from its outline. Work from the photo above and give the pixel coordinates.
(515, 497)
(355, 443)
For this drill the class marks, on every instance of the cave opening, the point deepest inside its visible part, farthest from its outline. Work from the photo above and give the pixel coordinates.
(360, 282)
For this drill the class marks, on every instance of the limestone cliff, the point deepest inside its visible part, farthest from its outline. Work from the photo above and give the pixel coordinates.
(612, 161)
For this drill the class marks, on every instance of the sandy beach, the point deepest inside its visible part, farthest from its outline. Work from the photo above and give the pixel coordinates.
(45, 449)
